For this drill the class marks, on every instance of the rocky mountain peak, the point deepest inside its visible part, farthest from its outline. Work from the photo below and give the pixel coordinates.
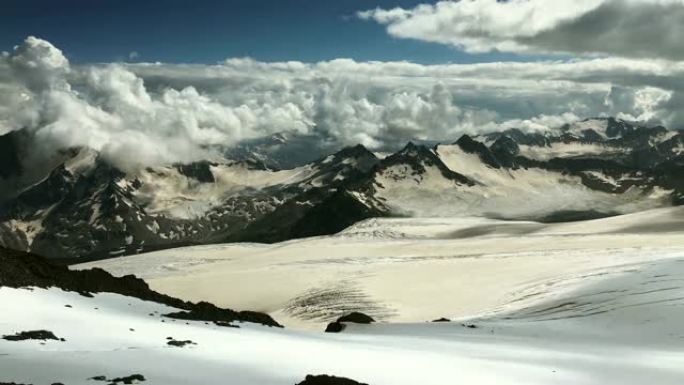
(471, 146)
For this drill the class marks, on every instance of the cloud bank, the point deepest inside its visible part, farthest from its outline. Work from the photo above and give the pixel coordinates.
(149, 114)
(624, 28)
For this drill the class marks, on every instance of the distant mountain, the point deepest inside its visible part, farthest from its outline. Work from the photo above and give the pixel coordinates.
(85, 208)
(282, 151)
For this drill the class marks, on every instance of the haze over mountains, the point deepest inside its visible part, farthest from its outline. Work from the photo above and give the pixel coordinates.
(79, 205)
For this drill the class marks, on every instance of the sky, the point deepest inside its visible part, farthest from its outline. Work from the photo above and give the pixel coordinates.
(169, 81)
(208, 31)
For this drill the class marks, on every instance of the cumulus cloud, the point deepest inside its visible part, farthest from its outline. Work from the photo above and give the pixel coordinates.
(39, 65)
(109, 109)
(147, 114)
(625, 28)
(395, 100)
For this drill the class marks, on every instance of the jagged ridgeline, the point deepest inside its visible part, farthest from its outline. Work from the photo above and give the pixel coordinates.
(82, 207)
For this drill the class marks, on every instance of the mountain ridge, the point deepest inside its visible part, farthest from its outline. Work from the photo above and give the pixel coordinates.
(84, 208)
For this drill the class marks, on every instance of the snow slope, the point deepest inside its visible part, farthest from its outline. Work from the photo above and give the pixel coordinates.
(624, 327)
(167, 191)
(567, 150)
(594, 302)
(500, 192)
(388, 267)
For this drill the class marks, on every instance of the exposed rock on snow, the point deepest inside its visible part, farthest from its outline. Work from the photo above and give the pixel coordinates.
(328, 380)
(42, 335)
(132, 379)
(355, 317)
(204, 311)
(442, 320)
(179, 343)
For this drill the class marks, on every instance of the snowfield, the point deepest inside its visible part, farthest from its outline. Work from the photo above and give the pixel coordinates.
(405, 270)
(621, 329)
(593, 302)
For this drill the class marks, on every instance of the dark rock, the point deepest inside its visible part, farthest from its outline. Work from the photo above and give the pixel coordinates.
(471, 146)
(505, 149)
(442, 320)
(224, 324)
(42, 335)
(332, 215)
(180, 344)
(132, 379)
(357, 318)
(335, 327)
(365, 158)
(328, 380)
(201, 171)
(205, 311)
(617, 127)
(520, 137)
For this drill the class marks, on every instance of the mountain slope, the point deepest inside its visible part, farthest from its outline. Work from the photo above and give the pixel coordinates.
(85, 208)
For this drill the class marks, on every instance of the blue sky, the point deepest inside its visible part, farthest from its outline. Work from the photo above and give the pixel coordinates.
(208, 31)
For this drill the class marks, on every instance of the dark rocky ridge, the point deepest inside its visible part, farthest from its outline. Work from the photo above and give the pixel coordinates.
(467, 144)
(417, 157)
(19, 269)
(318, 210)
(96, 215)
(521, 138)
(505, 149)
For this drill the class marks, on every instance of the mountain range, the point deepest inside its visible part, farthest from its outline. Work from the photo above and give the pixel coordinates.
(81, 207)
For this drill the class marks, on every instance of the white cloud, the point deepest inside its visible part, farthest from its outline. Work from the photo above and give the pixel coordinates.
(626, 28)
(39, 64)
(142, 114)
